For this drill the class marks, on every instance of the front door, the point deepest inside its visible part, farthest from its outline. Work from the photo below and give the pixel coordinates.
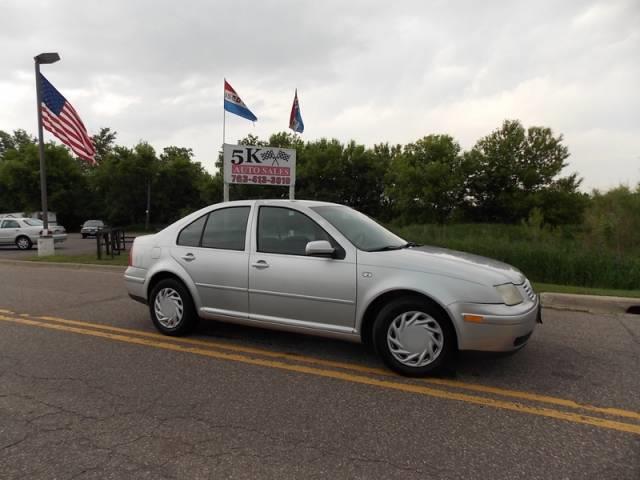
(212, 251)
(288, 287)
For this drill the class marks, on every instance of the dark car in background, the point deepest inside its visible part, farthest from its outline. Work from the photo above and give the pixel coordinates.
(91, 228)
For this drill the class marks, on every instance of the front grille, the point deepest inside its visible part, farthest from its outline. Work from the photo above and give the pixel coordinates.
(528, 289)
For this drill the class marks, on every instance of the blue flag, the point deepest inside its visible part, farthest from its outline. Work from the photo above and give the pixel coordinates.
(233, 103)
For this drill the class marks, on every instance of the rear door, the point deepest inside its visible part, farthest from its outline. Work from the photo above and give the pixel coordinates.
(9, 230)
(213, 250)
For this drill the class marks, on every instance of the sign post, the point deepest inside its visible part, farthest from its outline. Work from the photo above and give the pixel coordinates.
(253, 165)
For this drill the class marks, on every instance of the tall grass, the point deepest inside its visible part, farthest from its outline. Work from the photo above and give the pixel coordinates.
(561, 256)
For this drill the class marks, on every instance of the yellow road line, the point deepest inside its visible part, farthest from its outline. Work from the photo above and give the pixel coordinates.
(338, 375)
(361, 368)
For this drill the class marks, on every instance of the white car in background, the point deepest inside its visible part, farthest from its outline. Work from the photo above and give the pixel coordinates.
(24, 232)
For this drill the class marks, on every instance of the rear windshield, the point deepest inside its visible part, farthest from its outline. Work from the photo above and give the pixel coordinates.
(33, 222)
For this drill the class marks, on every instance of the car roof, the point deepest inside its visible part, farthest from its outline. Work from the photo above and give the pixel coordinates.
(282, 202)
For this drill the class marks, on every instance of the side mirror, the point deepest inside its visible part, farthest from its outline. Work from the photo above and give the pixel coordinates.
(319, 248)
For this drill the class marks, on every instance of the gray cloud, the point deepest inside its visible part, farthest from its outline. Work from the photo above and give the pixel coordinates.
(372, 71)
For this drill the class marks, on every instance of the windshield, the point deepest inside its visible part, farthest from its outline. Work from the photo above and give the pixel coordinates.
(359, 229)
(33, 222)
(93, 223)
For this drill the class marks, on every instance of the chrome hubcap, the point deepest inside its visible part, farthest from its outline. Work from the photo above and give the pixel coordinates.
(415, 339)
(168, 307)
(23, 243)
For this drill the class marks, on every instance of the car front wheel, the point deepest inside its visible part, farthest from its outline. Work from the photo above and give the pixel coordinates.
(413, 337)
(171, 308)
(23, 243)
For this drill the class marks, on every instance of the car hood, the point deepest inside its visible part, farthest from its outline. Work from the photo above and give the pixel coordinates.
(451, 263)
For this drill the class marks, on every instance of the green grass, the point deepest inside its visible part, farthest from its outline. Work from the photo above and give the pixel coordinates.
(564, 256)
(548, 287)
(120, 260)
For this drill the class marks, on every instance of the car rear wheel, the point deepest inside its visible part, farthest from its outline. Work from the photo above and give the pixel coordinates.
(23, 243)
(413, 337)
(171, 308)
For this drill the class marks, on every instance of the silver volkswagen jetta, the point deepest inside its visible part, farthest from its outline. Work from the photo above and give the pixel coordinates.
(326, 269)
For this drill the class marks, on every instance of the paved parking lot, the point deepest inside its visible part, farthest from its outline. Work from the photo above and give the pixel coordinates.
(73, 245)
(90, 390)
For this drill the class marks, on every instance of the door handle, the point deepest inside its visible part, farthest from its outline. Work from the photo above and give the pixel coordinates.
(260, 264)
(189, 257)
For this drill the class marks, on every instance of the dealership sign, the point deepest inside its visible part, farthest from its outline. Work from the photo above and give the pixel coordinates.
(252, 165)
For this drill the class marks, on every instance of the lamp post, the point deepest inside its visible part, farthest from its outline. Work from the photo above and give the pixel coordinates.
(43, 59)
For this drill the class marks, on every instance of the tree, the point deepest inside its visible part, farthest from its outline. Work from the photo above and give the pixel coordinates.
(104, 141)
(178, 186)
(120, 182)
(426, 183)
(510, 166)
(20, 182)
(613, 219)
(15, 141)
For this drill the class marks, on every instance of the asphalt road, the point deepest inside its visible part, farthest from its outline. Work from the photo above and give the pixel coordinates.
(89, 390)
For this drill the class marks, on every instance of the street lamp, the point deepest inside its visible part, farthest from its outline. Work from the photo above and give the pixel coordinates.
(43, 59)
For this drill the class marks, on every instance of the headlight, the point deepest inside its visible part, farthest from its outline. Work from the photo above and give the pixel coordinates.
(510, 294)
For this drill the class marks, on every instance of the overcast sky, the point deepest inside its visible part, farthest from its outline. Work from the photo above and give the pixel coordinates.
(367, 70)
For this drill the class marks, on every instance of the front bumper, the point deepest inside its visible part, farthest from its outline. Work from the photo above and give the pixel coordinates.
(502, 328)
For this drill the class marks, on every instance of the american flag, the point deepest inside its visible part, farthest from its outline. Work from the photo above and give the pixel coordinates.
(61, 119)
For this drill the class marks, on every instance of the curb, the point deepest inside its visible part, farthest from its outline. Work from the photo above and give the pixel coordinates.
(588, 303)
(72, 266)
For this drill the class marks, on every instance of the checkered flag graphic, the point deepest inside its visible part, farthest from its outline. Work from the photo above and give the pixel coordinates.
(268, 155)
(283, 156)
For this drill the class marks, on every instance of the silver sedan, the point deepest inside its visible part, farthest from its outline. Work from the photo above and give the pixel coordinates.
(24, 232)
(326, 269)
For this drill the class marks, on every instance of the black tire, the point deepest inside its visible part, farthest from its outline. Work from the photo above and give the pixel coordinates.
(189, 318)
(443, 356)
(84, 235)
(23, 242)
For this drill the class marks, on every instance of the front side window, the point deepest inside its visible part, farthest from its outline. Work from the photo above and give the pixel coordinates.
(226, 228)
(286, 231)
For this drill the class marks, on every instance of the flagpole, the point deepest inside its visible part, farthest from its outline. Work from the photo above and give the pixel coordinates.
(225, 186)
(43, 163)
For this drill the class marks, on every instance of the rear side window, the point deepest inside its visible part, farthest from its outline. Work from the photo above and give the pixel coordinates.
(226, 228)
(10, 224)
(191, 234)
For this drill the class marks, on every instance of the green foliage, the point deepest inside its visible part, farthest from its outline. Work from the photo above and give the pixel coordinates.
(20, 181)
(428, 180)
(514, 170)
(613, 221)
(549, 255)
